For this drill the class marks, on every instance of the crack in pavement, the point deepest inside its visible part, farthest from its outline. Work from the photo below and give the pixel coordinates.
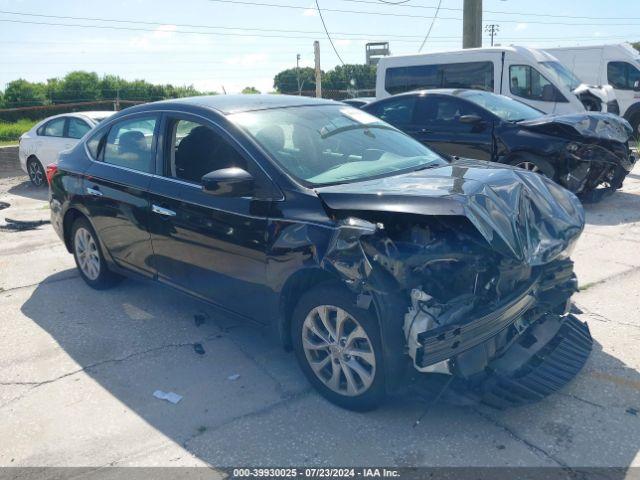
(580, 399)
(91, 366)
(285, 400)
(602, 318)
(532, 446)
(71, 276)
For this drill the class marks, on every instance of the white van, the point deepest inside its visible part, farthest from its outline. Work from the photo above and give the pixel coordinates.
(616, 65)
(531, 76)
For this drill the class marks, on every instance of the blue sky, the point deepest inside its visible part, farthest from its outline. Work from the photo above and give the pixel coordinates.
(250, 48)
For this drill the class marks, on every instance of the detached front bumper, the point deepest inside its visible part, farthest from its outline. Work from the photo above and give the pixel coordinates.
(523, 350)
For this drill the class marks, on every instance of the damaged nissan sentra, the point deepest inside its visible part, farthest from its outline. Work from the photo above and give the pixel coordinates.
(369, 254)
(587, 153)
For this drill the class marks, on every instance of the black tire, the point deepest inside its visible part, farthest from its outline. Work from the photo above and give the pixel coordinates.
(336, 296)
(104, 278)
(36, 172)
(635, 124)
(542, 166)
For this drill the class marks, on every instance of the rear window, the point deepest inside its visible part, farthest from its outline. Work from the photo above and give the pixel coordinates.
(475, 75)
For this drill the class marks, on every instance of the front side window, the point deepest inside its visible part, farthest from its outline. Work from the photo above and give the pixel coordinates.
(506, 108)
(77, 128)
(397, 111)
(476, 75)
(527, 82)
(130, 144)
(195, 150)
(55, 128)
(333, 144)
(622, 75)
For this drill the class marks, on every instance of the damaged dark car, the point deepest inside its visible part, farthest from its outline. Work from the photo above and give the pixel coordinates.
(369, 255)
(587, 153)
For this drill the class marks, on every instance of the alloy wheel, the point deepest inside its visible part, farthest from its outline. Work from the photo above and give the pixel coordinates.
(87, 253)
(36, 174)
(530, 166)
(338, 350)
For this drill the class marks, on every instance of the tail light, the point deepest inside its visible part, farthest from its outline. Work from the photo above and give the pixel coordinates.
(51, 170)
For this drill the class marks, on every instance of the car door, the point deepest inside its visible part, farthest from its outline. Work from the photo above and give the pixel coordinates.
(76, 129)
(453, 126)
(116, 185)
(52, 140)
(210, 246)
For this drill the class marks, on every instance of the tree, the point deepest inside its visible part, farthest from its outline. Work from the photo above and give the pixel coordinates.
(287, 80)
(346, 77)
(636, 45)
(250, 90)
(21, 93)
(77, 86)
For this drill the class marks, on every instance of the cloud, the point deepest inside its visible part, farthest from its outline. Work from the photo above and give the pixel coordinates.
(521, 26)
(164, 31)
(149, 41)
(248, 60)
(343, 42)
(310, 12)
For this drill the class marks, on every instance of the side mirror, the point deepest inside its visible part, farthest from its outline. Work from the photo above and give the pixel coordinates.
(636, 86)
(228, 182)
(470, 119)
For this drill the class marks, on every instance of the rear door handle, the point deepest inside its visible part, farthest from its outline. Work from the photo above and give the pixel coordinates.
(94, 191)
(162, 211)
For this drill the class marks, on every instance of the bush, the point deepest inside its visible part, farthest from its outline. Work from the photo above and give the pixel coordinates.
(12, 131)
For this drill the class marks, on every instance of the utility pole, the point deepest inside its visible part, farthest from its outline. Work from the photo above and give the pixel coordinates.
(116, 106)
(472, 24)
(298, 74)
(492, 30)
(316, 55)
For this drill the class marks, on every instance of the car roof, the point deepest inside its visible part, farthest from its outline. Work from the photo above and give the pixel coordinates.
(456, 92)
(227, 104)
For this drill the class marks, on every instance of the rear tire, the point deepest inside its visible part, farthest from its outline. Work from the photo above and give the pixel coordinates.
(338, 347)
(36, 172)
(635, 124)
(88, 256)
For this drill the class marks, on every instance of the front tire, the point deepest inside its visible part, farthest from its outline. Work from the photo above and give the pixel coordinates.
(338, 347)
(88, 256)
(534, 164)
(36, 172)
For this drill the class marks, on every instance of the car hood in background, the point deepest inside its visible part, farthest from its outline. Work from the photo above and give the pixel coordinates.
(602, 126)
(522, 215)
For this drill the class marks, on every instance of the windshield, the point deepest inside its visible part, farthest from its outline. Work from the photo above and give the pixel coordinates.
(333, 144)
(563, 74)
(506, 108)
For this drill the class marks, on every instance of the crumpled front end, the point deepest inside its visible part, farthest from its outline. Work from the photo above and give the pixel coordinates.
(597, 152)
(471, 285)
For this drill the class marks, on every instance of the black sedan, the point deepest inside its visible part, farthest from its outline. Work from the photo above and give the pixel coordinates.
(366, 252)
(582, 151)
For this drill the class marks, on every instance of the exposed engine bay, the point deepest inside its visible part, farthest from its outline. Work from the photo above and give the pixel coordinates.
(472, 287)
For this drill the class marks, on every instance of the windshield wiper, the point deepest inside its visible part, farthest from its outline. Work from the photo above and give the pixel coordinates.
(353, 127)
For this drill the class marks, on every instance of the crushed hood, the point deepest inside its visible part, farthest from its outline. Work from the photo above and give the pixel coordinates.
(602, 126)
(521, 214)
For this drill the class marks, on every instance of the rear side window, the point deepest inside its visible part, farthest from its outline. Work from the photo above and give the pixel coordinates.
(526, 82)
(77, 128)
(444, 109)
(475, 75)
(397, 111)
(130, 144)
(54, 128)
(622, 75)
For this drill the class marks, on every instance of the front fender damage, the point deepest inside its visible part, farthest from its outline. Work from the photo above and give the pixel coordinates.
(467, 288)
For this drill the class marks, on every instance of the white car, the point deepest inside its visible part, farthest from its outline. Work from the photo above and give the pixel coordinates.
(41, 145)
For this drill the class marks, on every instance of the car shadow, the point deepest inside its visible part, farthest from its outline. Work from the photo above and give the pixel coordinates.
(139, 337)
(615, 209)
(28, 190)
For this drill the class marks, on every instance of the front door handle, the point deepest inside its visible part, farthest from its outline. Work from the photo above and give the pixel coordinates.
(94, 191)
(162, 211)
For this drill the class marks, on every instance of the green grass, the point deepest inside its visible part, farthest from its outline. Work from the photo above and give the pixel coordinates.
(10, 132)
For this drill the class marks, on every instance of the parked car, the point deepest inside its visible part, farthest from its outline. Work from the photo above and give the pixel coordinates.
(532, 76)
(581, 152)
(41, 145)
(615, 65)
(364, 250)
(358, 102)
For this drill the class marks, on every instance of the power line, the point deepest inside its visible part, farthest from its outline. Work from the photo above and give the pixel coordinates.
(433, 20)
(327, 32)
(388, 14)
